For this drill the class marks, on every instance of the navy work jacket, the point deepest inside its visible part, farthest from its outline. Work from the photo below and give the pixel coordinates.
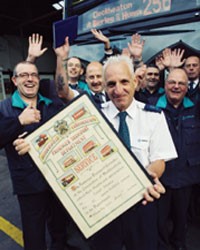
(145, 96)
(26, 178)
(184, 126)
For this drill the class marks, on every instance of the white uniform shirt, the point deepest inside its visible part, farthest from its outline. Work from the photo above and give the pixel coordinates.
(149, 134)
(76, 93)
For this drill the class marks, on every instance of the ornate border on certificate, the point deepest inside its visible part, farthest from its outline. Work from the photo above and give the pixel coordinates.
(91, 171)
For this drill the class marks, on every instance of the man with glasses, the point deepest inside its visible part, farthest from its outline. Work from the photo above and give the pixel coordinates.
(36, 199)
(152, 85)
(181, 173)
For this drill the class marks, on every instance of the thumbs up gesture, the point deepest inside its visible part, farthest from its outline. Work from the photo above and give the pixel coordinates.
(29, 115)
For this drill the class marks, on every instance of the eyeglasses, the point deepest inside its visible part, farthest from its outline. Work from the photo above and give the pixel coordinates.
(26, 75)
(180, 84)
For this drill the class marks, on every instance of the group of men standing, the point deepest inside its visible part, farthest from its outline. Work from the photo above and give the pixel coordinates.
(163, 135)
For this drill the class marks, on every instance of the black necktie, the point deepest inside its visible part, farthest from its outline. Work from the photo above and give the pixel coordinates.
(73, 86)
(99, 97)
(123, 128)
(191, 86)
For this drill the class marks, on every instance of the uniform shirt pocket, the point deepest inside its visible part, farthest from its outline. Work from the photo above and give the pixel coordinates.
(140, 149)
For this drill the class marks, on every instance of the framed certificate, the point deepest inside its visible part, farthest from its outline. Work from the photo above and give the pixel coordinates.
(89, 168)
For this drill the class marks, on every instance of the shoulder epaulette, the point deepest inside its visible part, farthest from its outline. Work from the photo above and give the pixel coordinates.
(152, 108)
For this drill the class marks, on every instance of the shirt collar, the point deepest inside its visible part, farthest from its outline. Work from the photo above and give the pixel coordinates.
(75, 83)
(194, 83)
(102, 92)
(113, 111)
(18, 102)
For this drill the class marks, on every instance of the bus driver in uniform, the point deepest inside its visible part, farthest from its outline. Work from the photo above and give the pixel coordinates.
(136, 228)
(150, 141)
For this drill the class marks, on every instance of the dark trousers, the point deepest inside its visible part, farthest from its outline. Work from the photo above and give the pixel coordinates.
(75, 239)
(36, 211)
(136, 229)
(173, 207)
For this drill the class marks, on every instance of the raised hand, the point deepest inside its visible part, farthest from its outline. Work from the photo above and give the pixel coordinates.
(177, 59)
(63, 51)
(136, 46)
(140, 76)
(172, 59)
(101, 37)
(159, 62)
(166, 57)
(61, 77)
(35, 47)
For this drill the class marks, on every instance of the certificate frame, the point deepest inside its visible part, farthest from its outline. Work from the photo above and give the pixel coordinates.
(92, 172)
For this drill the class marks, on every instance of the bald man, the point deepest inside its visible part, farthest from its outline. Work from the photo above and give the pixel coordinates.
(94, 79)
